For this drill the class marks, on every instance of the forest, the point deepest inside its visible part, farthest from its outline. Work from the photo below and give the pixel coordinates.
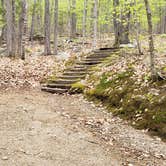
(83, 82)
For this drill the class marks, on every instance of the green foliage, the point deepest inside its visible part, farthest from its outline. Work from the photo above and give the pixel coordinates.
(105, 11)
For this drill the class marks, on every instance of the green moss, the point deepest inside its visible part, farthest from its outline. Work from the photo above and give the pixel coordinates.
(77, 87)
(50, 79)
(129, 101)
(163, 35)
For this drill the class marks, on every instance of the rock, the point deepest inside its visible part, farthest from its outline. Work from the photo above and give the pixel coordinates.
(5, 158)
(159, 156)
(130, 164)
(158, 139)
(154, 91)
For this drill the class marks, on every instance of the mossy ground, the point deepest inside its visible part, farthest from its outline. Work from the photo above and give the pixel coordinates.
(77, 87)
(143, 106)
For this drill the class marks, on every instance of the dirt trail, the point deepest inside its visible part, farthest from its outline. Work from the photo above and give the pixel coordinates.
(40, 129)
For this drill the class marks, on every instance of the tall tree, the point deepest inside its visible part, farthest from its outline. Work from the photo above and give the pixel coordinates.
(56, 27)
(2, 37)
(9, 23)
(116, 22)
(95, 28)
(73, 19)
(125, 23)
(84, 20)
(22, 30)
(47, 45)
(151, 42)
(121, 20)
(33, 22)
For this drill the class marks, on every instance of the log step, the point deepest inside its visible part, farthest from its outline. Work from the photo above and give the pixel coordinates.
(80, 66)
(62, 86)
(74, 73)
(102, 56)
(54, 90)
(76, 69)
(89, 63)
(93, 60)
(72, 77)
(64, 81)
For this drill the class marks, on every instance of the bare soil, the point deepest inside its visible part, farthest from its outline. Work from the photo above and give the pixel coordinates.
(41, 129)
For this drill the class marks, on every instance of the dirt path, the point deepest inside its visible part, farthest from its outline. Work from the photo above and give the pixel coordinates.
(40, 129)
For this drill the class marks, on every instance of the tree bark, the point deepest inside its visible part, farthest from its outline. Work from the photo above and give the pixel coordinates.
(56, 27)
(151, 42)
(116, 23)
(2, 37)
(22, 30)
(95, 28)
(137, 30)
(84, 20)
(73, 19)
(13, 28)
(9, 21)
(33, 22)
(121, 23)
(125, 25)
(47, 46)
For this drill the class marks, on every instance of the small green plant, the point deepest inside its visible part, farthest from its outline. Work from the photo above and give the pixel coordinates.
(78, 87)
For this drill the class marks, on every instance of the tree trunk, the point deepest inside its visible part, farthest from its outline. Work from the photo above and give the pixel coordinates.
(73, 19)
(84, 20)
(13, 28)
(9, 24)
(151, 43)
(125, 25)
(2, 37)
(47, 46)
(116, 23)
(137, 30)
(56, 27)
(39, 26)
(95, 28)
(121, 21)
(22, 32)
(33, 22)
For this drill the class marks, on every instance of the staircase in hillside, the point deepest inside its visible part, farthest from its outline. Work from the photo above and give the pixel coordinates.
(77, 72)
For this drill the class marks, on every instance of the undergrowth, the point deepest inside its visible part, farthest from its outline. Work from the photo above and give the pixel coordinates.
(143, 106)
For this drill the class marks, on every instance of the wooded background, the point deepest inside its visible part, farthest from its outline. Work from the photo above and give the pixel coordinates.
(46, 20)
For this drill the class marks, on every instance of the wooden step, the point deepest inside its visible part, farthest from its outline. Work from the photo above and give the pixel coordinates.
(102, 56)
(70, 73)
(88, 63)
(80, 67)
(54, 90)
(93, 60)
(72, 77)
(62, 86)
(105, 51)
(102, 51)
(76, 69)
(64, 81)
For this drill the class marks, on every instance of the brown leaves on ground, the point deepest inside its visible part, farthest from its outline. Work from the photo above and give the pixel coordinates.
(17, 73)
